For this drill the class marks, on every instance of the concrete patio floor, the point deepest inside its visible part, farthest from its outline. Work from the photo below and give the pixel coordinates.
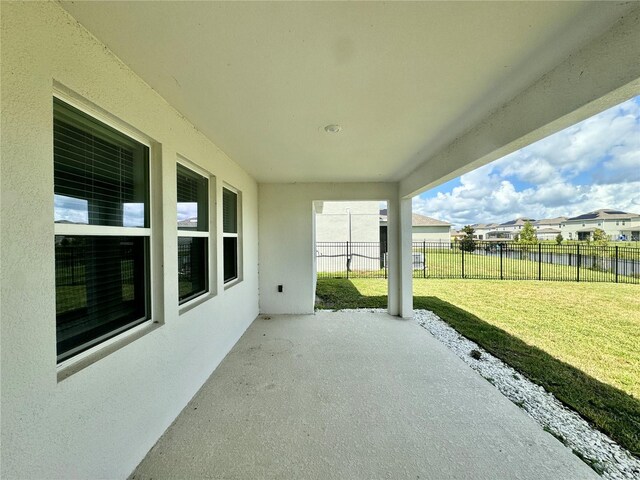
(343, 395)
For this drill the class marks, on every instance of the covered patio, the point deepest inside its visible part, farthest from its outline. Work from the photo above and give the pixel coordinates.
(352, 395)
(219, 126)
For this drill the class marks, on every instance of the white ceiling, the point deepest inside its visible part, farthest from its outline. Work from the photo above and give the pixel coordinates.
(261, 80)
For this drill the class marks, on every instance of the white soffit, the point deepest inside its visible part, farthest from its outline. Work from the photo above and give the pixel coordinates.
(262, 80)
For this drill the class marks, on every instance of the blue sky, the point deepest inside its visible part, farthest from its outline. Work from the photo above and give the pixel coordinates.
(593, 164)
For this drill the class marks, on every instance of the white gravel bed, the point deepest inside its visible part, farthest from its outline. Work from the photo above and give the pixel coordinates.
(603, 454)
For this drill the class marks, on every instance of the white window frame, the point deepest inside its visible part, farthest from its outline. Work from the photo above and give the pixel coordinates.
(211, 290)
(122, 336)
(237, 235)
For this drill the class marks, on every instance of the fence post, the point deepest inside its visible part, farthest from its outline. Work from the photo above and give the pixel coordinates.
(501, 247)
(424, 259)
(73, 269)
(577, 262)
(348, 261)
(539, 261)
(616, 263)
(385, 259)
(462, 263)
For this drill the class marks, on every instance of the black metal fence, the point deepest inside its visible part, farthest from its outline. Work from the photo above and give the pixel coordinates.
(71, 263)
(486, 260)
(351, 260)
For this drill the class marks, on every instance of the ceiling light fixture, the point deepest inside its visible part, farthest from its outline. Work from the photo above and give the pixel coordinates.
(332, 128)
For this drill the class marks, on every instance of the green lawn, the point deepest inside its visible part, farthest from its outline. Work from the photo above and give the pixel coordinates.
(580, 341)
(69, 298)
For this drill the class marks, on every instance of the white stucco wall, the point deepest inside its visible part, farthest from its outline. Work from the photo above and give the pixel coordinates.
(332, 225)
(432, 234)
(546, 236)
(287, 237)
(100, 421)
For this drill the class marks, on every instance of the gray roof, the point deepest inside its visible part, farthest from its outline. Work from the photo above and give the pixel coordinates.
(484, 225)
(604, 214)
(517, 221)
(418, 220)
(550, 221)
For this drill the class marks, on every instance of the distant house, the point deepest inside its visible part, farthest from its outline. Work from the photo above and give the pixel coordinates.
(546, 229)
(549, 228)
(424, 229)
(481, 230)
(188, 223)
(618, 225)
(507, 230)
(430, 229)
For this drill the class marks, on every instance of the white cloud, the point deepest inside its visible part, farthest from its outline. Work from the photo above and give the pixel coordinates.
(594, 164)
(528, 167)
(70, 209)
(506, 203)
(187, 210)
(611, 134)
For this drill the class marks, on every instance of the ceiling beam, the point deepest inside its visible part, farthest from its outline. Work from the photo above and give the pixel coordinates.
(600, 75)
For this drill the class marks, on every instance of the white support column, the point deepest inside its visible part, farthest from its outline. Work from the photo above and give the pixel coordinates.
(406, 260)
(393, 256)
(399, 257)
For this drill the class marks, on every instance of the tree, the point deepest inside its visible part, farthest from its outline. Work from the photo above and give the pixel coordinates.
(559, 239)
(468, 244)
(527, 239)
(600, 241)
(528, 235)
(600, 238)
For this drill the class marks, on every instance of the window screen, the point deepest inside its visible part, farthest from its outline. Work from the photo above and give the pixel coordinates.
(100, 175)
(230, 234)
(193, 236)
(229, 211)
(102, 275)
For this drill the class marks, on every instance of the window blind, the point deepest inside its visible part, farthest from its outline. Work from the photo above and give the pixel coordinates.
(102, 279)
(193, 202)
(100, 175)
(229, 211)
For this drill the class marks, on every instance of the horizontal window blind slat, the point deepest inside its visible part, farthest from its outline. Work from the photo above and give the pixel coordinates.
(71, 115)
(193, 200)
(229, 211)
(101, 197)
(100, 166)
